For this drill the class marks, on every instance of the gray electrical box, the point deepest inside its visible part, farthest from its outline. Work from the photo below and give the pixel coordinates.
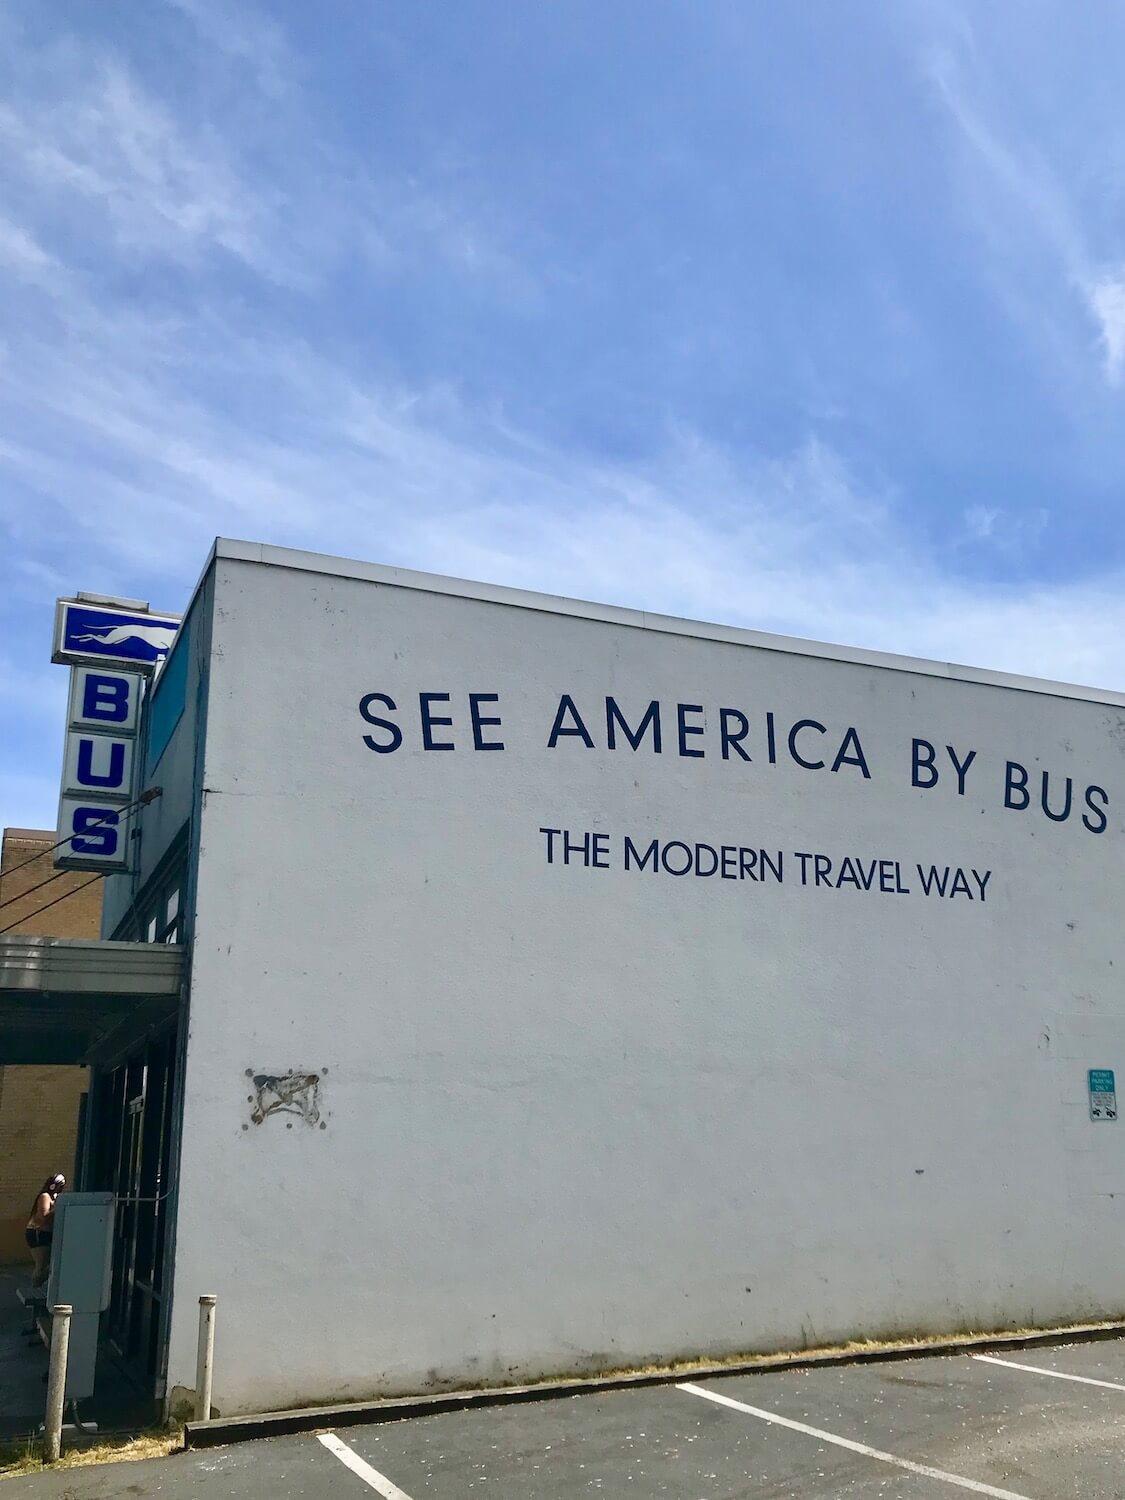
(81, 1276)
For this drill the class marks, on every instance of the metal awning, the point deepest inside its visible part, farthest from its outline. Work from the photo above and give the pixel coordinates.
(66, 1000)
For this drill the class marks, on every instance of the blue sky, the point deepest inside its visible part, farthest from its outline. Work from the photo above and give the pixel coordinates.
(804, 317)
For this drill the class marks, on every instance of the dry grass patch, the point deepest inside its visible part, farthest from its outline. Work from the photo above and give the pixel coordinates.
(24, 1457)
(857, 1348)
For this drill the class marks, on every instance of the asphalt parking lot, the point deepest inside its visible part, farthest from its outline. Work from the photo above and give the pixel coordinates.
(1018, 1425)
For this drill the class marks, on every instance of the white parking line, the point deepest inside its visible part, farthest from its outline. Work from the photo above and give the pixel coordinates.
(378, 1482)
(843, 1442)
(1010, 1364)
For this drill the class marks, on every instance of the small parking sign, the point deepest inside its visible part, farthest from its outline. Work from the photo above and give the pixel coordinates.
(1103, 1094)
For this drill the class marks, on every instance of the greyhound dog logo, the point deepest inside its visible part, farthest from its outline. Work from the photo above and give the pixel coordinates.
(159, 637)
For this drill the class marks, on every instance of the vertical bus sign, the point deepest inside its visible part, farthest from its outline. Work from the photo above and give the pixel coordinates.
(99, 769)
(111, 646)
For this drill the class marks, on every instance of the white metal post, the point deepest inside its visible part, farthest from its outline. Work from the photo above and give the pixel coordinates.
(56, 1382)
(204, 1365)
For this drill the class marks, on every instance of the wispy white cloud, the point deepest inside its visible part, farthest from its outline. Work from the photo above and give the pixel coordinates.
(124, 425)
(1106, 295)
(1014, 169)
(793, 542)
(1026, 212)
(112, 154)
(245, 36)
(137, 422)
(22, 255)
(96, 160)
(1003, 529)
(980, 522)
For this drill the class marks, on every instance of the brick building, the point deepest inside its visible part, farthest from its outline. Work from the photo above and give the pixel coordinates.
(38, 1105)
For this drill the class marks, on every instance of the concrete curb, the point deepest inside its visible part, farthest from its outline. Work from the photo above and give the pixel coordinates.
(223, 1430)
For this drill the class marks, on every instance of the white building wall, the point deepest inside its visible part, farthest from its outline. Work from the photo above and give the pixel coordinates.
(576, 1118)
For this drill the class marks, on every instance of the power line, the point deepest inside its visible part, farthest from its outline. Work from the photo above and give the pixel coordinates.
(23, 895)
(30, 916)
(110, 813)
(146, 797)
(43, 853)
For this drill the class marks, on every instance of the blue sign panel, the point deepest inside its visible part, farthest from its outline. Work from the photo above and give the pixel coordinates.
(105, 701)
(94, 633)
(97, 835)
(99, 765)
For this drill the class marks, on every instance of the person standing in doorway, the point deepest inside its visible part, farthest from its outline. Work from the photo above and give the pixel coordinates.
(41, 1227)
